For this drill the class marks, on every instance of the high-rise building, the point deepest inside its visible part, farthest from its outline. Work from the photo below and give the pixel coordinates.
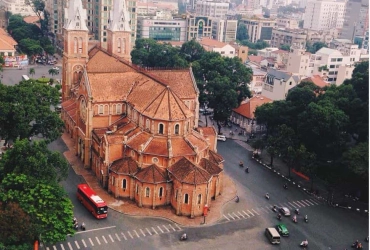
(356, 17)
(211, 9)
(198, 27)
(162, 30)
(224, 30)
(324, 15)
(18, 7)
(259, 28)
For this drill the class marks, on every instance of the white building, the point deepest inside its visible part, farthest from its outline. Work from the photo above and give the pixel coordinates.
(211, 9)
(212, 45)
(323, 15)
(278, 83)
(18, 7)
(298, 61)
(162, 30)
(224, 30)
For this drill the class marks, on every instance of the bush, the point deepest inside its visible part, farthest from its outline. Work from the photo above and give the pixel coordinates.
(43, 80)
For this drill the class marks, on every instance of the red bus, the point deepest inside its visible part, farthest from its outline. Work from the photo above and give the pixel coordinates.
(91, 201)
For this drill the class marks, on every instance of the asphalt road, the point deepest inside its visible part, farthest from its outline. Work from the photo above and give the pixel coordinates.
(242, 224)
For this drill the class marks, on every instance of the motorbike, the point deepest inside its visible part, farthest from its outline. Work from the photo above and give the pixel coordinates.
(295, 220)
(285, 186)
(304, 243)
(279, 217)
(357, 245)
(267, 196)
(305, 219)
(296, 211)
(274, 208)
(247, 170)
(183, 237)
(76, 226)
(367, 239)
(83, 227)
(237, 199)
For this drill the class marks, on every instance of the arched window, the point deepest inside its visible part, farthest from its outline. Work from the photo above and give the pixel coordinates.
(147, 192)
(160, 128)
(199, 199)
(177, 128)
(75, 45)
(186, 199)
(160, 193)
(124, 183)
(147, 124)
(119, 109)
(113, 180)
(123, 45)
(137, 189)
(80, 45)
(119, 45)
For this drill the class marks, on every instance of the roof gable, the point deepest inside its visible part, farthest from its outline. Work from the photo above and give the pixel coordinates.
(152, 174)
(187, 172)
(126, 165)
(210, 167)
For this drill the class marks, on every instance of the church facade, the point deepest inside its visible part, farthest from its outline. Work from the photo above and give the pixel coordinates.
(136, 129)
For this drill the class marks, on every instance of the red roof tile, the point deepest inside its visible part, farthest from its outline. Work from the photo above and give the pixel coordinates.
(187, 172)
(152, 174)
(126, 165)
(210, 167)
(214, 157)
(247, 109)
(317, 80)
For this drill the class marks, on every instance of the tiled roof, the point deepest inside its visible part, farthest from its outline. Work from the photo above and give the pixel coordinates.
(126, 165)
(101, 62)
(152, 174)
(280, 51)
(317, 80)
(247, 109)
(255, 59)
(32, 20)
(207, 131)
(180, 81)
(208, 42)
(215, 158)
(197, 141)
(278, 74)
(210, 167)
(187, 172)
(138, 139)
(6, 41)
(157, 146)
(180, 147)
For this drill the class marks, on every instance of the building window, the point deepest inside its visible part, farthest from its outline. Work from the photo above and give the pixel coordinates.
(137, 189)
(124, 183)
(177, 128)
(186, 199)
(160, 128)
(100, 109)
(160, 193)
(147, 124)
(119, 109)
(113, 180)
(147, 192)
(155, 160)
(199, 199)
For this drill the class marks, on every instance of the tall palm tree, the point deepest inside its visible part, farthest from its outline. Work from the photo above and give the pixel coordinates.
(53, 72)
(32, 71)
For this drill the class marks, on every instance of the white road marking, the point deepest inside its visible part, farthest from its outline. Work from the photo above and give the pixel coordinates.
(142, 232)
(91, 242)
(306, 203)
(300, 204)
(110, 237)
(154, 230)
(236, 215)
(61, 245)
(309, 202)
(291, 204)
(255, 211)
(226, 217)
(54, 247)
(172, 227)
(165, 228)
(287, 205)
(106, 242)
(130, 234)
(70, 247)
(245, 213)
(264, 210)
(231, 216)
(136, 234)
(118, 237)
(83, 242)
(178, 227)
(47, 248)
(250, 212)
(124, 236)
(96, 229)
(98, 240)
(148, 231)
(297, 205)
(315, 202)
(160, 229)
(78, 246)
(241, 214)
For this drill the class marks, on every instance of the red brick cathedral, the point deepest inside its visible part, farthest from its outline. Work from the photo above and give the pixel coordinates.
(137, 130)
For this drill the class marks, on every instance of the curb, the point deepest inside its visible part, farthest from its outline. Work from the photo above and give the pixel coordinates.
(306, 190)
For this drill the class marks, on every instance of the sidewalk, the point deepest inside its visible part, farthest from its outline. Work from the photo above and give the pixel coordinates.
(128, 207)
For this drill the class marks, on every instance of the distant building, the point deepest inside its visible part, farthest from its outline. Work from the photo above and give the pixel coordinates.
(317, 80)
(278, 83)
(198, 27)
(356, 19)
(18, 7)
(323, 15)
(288, 23)
(224, 30)
(259, 28)
(283, 36)
(3, 17)
(7, 44)
(266, 52)
(162, 30)
(240, 51)
(298, 61)
(211, 9)
(212, 45)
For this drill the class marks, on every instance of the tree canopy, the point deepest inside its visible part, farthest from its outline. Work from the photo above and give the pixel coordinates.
(242, 32)
(25, 111)
(316, 46)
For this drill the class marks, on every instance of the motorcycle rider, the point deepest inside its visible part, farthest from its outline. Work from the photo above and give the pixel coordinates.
(304, 243)
(297, 211)
(295, 218)
(267, 196)
(237, 199)
(285, 186)
(83, 227)
(183, 236)
(279, 216)
(305, 218)
(241, 164)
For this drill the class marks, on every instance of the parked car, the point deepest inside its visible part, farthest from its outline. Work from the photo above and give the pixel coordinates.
(282, 229)
(285, 211)
(221, 138)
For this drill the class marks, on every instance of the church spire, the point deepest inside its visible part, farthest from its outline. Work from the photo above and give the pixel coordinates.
(119, 17)
(75, 16)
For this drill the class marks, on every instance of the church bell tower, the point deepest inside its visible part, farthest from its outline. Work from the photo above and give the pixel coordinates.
(75, 54)
(119, 31)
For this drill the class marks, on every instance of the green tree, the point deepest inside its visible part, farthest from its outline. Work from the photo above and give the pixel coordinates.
(38, 7)
(32, 71)
(25, 111)
(53, 72)
(316, 46)
(49, 49)
(192, 50)
(285, 47)
(242, 32)
(37, 162)
(30, 47)
(357, 160)
(47, 204)
(1, 63)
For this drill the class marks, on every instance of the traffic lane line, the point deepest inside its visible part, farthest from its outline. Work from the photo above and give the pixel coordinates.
(96, 229)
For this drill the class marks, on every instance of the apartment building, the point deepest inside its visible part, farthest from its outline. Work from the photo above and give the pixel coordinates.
(151, 8)
(281, 36)
(277, 84)
(288, 23)
(211, 9)
(198, 27)
(18, 7)
(356, 19)
(298, 61)
(162, 30)
(3, 17)
(213, 45)
(259, 28)
(324, 14)
(224, 30)
(240, 51)
(98, 13)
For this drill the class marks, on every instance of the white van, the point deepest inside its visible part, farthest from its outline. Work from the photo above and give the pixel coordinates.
(221, 138)
(273, 235)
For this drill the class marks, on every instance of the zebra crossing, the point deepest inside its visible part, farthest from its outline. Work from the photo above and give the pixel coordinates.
(105, 239)
(248, 213)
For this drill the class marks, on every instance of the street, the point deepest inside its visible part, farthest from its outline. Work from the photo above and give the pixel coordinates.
(241, 225)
